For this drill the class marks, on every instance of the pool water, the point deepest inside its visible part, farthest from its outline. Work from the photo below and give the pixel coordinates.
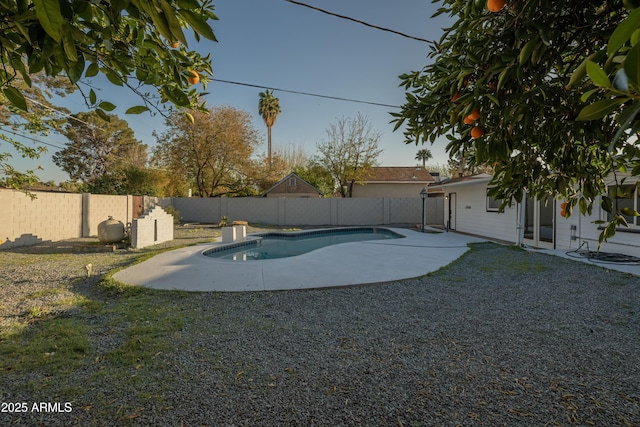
(283, 245)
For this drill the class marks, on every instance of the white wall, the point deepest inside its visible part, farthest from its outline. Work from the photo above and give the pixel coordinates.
(624, 242)
(472, 216)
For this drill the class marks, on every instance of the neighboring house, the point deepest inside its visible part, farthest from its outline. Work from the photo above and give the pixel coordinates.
(533, 222)
(292, 186)
(394, 181)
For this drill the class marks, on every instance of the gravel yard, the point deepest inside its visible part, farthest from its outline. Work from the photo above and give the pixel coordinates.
(501, 337)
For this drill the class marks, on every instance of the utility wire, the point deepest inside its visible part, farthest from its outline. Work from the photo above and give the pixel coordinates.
(306, 93)
(360, 22)
(125, 160)
(38, 141)
(69, 116)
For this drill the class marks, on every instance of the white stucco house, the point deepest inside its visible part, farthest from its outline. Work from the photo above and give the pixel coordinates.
(536, 223)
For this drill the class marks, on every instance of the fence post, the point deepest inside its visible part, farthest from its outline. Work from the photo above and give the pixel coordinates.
(386, 211)
(86, 229)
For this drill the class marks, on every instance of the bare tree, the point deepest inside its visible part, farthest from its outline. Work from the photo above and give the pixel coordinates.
(349, 152)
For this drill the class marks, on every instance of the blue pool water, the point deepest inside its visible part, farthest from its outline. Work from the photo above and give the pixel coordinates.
(283, 245)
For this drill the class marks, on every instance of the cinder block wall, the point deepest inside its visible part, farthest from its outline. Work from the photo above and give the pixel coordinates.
(295, 211)
(100, 207)
(59, 216)
(49, 216)
(6, 216)
(151, 229)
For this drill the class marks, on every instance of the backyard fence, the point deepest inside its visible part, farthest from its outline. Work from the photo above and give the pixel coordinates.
(58, 216)
(310, 211)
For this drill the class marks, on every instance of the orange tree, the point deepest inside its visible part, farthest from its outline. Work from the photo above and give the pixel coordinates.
(131, 42)
(556, 85)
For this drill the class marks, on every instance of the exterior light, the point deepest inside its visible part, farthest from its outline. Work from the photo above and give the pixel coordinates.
(423, 196)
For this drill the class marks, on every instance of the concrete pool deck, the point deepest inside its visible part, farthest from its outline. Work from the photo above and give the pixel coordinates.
(346, 264)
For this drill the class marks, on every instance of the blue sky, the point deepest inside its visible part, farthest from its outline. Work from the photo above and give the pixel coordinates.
(278, 44)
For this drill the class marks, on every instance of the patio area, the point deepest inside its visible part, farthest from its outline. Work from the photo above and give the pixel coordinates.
(340, 265)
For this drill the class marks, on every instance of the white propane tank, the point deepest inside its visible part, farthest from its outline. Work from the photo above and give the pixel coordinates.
(110, 231)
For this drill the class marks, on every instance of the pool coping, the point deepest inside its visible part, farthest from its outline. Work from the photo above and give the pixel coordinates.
(345, 264)
(253, 240)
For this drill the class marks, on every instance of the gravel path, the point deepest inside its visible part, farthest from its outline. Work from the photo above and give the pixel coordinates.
(502, 337)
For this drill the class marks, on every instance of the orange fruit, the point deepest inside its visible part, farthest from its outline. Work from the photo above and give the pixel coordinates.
(496, 5)
(194, 77)
(175, 45)
(477, 132)
(455, 97)
(475, 114)
(563, 205)
(468, 120)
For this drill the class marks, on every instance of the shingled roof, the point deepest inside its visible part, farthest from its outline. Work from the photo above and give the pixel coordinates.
(467, 179)
(399, 174)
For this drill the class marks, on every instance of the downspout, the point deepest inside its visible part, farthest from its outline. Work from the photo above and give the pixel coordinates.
(520, 220)
(554, 223)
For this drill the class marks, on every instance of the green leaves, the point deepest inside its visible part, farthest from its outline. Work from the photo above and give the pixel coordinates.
(555, 106)
(623, 32)
(629, 212)
(632, 65)
(107, 106)
(49, 16)
(16, 98)
(597, 75)
(138, 109)
(621, 97)
(197, 23)
(599, 109)
(163, 17)
(528, 49)
(176, 96)
(124, 39)
(92, 70)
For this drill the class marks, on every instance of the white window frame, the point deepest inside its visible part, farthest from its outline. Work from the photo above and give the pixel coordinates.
(634, 222)
(493, 205)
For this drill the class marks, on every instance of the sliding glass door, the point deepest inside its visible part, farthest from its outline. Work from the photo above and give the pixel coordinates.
(538, 222)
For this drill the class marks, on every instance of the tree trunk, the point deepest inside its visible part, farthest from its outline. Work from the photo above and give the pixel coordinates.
(269, 145)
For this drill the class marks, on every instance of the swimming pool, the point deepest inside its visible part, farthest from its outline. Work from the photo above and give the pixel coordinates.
(283, 245)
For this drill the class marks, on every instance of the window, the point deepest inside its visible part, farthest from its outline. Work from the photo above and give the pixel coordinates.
(626, 196)
(493, 205)
(292, 182)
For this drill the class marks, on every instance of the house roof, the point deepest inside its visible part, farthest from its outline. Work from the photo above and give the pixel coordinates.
(466, 180)
(399, 174)
(291, 175)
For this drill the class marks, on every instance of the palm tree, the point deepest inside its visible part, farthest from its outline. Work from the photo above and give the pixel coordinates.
(269, 109)
(424, 155)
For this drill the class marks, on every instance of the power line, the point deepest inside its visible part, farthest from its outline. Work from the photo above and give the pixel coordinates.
(37, 141)
(58, 111)
(306, 93)
(360, 22)
(123, 159)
